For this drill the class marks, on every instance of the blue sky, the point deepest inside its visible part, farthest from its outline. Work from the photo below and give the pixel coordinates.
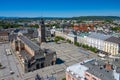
(59, 8)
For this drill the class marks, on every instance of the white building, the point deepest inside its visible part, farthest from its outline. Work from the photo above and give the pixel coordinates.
(71, 36)
(96, 40)
(81, 38)
(112, 45)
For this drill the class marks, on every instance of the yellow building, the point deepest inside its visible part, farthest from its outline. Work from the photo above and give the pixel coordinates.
(112, 45)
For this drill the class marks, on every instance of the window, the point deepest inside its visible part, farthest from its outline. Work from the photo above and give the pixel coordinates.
(86, 78)
(87, 75)
(73, 79)
(94, 78)
(42, 59)
(69, 77)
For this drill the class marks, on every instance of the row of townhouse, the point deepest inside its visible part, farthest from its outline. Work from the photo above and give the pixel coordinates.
(69, 35)
(96, 40)
(105, 43)
(102, 42)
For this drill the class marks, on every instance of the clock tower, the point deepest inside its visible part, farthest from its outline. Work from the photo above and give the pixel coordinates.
(41, 31)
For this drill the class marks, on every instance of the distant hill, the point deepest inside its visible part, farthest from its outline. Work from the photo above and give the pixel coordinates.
(66, 18)
(97, 18)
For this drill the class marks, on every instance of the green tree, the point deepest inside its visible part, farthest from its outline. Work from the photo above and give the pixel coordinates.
(56, 39)
(115, 28)
(76, 43)
(69, 41)
(0, 65)
(87, 47)
(64, 79)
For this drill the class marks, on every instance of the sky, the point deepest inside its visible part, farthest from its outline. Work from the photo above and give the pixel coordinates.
(59, 8)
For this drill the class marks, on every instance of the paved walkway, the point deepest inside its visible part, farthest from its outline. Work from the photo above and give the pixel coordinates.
(67, 55)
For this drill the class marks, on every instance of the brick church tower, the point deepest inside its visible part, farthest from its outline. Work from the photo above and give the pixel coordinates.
(41, 31)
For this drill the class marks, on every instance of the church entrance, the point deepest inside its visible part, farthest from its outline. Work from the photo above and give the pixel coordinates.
(37, 66)
(42, 65)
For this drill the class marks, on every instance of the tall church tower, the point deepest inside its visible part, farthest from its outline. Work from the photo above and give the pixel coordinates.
(41, 31)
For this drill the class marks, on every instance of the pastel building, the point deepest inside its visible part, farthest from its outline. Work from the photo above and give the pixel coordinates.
(70, 35)
(92, 70)
(105, 43)
(81, 38)
(96, 40)
(59, 33)
(112, 45)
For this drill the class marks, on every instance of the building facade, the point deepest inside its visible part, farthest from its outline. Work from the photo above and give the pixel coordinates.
(71, 36)
(30, 55)
(104, 43)
(92, 70)
(81, 38)
(96, 40)
(4, 36)
(112, 45)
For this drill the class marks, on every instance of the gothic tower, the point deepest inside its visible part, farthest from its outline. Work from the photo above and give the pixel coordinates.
(41, 31)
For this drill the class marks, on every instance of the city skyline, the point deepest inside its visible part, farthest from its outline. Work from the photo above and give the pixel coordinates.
(62, 8)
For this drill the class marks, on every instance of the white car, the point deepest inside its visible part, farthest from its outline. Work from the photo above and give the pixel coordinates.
(11, 72)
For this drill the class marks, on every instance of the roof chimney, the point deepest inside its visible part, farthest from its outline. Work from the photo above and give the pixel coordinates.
(108, 66)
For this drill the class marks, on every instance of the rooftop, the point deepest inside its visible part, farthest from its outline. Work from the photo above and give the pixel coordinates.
(25, 55)
(50, 78)
(116, 63)
(77, 69)
(98, 36)
(37, 77)
(113, 39)
(96, 67)
(93, 66)
(12, 37)
(28, 42)
(83, 34)
(72, 34)
(3, 33)
(48, 51)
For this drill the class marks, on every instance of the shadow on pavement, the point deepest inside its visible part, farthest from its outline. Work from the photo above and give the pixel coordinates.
(59, 61)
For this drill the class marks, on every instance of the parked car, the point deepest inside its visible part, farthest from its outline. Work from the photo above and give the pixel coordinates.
(11, 72)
